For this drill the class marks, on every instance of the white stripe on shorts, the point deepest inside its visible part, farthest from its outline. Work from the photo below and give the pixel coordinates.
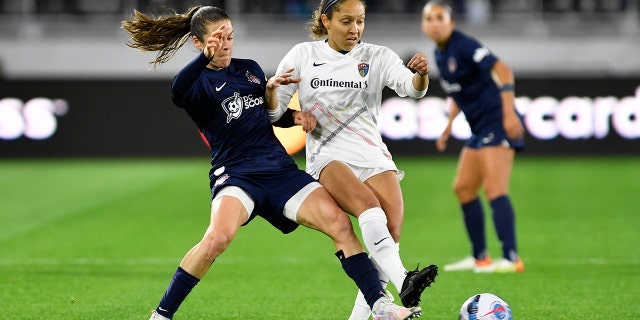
(293, 205)
(238, 193)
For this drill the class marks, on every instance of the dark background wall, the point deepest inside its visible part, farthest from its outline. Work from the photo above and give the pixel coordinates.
(123, 118)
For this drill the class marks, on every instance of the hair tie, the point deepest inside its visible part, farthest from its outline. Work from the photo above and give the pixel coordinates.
(328, 5)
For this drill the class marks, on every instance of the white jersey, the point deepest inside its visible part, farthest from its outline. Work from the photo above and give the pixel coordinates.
(344, 93)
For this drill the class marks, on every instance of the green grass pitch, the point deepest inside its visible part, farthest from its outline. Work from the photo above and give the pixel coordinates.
(100, 238)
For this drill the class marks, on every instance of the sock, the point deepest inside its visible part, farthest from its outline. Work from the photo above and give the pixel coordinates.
(361, 310)
(381, 246)
(474, 221)
(179, 287)
(359, 268)
(504, 221)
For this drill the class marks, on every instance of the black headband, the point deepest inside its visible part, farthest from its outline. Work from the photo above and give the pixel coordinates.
(328, 5)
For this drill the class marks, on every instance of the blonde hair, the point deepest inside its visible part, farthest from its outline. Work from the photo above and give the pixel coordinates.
(167, 34)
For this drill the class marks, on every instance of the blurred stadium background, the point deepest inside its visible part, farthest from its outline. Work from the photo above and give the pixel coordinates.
(82, 38)
(576, 62)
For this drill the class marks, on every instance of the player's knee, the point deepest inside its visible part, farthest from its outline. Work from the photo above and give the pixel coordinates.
(365, 201)
(394, 230)
(464, 191)
(341, 228)
(215, 243)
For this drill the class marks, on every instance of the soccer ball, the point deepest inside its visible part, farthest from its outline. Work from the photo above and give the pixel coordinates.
(485, 306)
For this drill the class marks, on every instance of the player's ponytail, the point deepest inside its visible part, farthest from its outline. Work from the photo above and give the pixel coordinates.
(167, 34)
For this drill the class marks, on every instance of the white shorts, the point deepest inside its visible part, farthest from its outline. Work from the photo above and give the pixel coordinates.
(364, 174)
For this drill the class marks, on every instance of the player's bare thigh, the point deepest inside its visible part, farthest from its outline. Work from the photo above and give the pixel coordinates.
(497, 163)
(351, 194)
(319, 211)
(469, 175)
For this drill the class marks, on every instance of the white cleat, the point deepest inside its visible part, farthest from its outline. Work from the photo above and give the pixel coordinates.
(384, 309)
(470, 264)
(503, 265)
(156, 316)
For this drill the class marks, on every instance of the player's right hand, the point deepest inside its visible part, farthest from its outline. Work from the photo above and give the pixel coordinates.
(441, 143)
(214, 42)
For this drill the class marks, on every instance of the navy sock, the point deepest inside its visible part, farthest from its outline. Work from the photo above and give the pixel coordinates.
(359, 268)
(179, 287)
(474, 221)
(504, 221)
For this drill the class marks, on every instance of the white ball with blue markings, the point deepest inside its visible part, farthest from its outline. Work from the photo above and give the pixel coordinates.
(485, 306)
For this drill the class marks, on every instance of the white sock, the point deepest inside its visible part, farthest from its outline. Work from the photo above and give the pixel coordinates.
(361, 310)
(381, 246)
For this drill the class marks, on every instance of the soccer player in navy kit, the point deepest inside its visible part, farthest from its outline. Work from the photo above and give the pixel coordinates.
(482, 87)
(251, 173)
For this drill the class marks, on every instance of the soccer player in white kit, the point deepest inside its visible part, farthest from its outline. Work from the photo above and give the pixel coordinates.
(342, 79)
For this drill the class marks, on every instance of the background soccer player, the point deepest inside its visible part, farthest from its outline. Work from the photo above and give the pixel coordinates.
(482, 87)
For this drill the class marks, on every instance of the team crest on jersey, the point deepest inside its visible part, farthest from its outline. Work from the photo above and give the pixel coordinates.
(363, 68)
(253, 78)
(234, 105)
(452, 64)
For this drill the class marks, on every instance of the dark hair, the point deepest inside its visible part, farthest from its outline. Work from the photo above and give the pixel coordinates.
(315, 26)
(166, 34)
(441, 3)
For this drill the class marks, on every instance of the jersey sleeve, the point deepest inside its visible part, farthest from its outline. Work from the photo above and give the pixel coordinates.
(181, 87)
(397, 76)
(291, 60)
(472, 50)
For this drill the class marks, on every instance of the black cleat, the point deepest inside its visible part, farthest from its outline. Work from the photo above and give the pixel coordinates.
(415, 282)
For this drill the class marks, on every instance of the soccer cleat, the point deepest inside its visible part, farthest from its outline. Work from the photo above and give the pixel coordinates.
(470, 263)
(503, 265)
(157, 316)
(384, 309)
(415, 282)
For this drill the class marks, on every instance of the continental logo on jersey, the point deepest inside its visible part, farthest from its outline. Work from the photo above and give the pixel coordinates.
(363, 68)
(317, 83)
(234, 105)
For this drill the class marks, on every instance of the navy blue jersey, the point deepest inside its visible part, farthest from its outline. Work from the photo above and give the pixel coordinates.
(229, 108)
(465, 75)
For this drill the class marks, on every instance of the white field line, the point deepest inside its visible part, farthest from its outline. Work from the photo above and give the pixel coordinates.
(286, 259)
(141, 261)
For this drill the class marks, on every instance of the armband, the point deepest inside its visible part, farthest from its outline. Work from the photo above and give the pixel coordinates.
(286, 120)
(508, 87)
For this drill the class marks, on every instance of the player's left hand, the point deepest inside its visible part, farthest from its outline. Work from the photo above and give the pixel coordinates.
(419, 64)
(283, 78)
(305, 119)
(513, 127)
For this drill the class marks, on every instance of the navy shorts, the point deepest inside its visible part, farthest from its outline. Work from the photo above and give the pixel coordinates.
(487, 138)
(270, 192)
